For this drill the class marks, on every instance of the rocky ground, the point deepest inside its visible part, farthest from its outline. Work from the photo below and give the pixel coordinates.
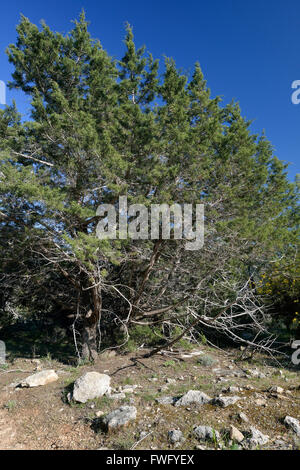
(204, 399)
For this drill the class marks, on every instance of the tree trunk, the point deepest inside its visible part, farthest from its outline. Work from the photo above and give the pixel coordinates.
(90, 327)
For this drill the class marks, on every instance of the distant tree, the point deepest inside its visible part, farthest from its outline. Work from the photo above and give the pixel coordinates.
(101, 129)
(280, 286)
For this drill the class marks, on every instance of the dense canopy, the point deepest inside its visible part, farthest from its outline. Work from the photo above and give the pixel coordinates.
(100, 129)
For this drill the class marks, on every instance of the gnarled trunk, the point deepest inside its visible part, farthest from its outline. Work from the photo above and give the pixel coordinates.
(90, 327)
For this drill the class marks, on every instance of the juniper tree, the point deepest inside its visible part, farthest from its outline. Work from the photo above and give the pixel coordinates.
(100, 129)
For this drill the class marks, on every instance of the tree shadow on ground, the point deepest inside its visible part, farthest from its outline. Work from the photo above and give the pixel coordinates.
(32, 340)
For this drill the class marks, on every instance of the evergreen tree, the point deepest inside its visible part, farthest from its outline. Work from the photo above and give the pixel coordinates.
(101, 129)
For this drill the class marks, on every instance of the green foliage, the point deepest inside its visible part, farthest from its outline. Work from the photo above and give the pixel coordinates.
(128, 381)
(142, 336)
(280, 288)
(206, 360)
(169, 363)
(10, 405)
(203, 338)
(100, 128)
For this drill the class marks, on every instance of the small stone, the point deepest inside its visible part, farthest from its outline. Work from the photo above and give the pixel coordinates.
(281, 397)
(256, 373)
(175, 435)
(222, 379)
(204, 433)
(293, 424)
(193, 397)
(120, 417)
(260, 402)
(163, 388)
(231, 389)
(243, 417)
(99, 414)
(117, 396)
(166, 400)
(171, 381)
(275, 389)
(225, 401)
(249, 387)
(256, 438)
(129, 388)
(235, 434)
(40, 378)
(279, 443)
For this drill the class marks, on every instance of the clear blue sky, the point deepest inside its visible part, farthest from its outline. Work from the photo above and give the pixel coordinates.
(249, 50)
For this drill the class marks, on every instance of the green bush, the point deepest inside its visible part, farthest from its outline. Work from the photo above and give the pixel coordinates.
(280, 289)
(206, 360)
(143, 335)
